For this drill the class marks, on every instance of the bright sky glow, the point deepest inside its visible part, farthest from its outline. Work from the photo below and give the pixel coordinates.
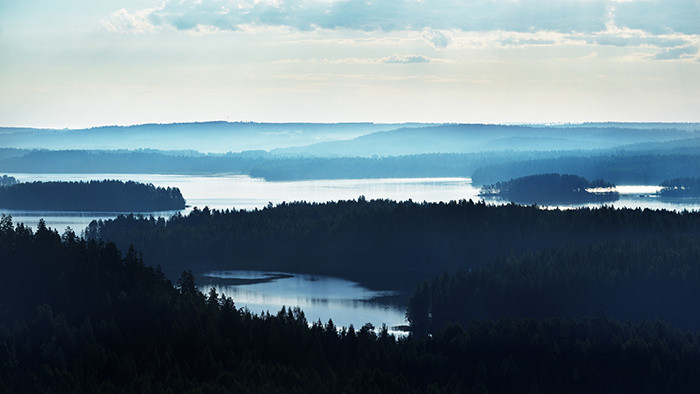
(77, 63)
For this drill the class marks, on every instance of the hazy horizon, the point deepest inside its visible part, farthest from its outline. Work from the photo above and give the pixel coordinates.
(79, 64)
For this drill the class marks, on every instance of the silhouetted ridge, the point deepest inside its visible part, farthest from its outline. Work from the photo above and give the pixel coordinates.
(79, 316)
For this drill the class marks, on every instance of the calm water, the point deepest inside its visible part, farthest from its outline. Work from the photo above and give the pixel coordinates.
(244, 192)
(320, 297)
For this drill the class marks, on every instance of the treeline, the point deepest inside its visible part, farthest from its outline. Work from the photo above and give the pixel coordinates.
(379, 243)
(483, 167)
(550, 189)
(680, 187)
(7, 181)
(96, 196)
(78, 316)
(641, 169)
(652, 279)
(256, 163)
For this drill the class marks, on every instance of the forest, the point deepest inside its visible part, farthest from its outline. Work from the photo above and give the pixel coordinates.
(550, 189)
(78, 315)
(93, 196)
(645, 164)
(380, 243)
(627, 280)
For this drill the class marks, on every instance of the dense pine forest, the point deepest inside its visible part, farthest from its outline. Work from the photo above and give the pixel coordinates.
(550, 189)
(95, 196)
(78, 315)
(652, 279)
(380, 243)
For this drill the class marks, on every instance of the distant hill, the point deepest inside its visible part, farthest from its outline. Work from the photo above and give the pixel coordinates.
(470, 138)
(201, 136)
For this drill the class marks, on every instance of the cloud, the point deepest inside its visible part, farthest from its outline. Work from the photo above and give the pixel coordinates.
(407, 59)
(677, 53)
(122, 21)
(394, 59)
(437, 39)
(518, 41)
(433, 16)
(662, 24)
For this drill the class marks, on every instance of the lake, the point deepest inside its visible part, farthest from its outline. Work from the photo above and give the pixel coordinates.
(320, 297)
(244, 192)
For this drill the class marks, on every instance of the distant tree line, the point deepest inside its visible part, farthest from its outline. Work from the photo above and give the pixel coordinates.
(550, 188)
(483, 167)
(651, 279)
(680, 187)
(379, 243)
(7, 181)
(77, 315)
(99, 196)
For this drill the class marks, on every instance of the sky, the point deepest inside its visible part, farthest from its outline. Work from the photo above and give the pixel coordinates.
(70, 63)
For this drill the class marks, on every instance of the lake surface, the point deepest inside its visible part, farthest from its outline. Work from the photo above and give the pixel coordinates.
(244, 192)
(320, 297)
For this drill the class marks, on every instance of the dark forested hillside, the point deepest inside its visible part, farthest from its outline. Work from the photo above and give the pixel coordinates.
(96, 196)
(379, 243)
(652, 279)
(78, 316)
(550, 189)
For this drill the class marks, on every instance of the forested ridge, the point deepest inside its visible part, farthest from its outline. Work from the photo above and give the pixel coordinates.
(78, 316)
(647, 166)
(380, 243)
(96, 196)
(653, 279)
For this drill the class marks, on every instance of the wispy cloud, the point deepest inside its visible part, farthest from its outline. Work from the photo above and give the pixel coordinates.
(677, 53)
(669, 26)
(433, 16)
(394, 59)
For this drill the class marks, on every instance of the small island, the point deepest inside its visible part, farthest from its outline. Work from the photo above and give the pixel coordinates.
(551, 189)
(93, 196)
(680, 188)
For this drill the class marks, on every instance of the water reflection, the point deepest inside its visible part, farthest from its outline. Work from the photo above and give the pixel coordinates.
(320, 297)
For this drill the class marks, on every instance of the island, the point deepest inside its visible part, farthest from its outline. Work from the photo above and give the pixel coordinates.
(551, 189)
(92, 196)
(680, 187)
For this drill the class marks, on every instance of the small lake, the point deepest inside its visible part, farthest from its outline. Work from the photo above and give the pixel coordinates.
(320, 297)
